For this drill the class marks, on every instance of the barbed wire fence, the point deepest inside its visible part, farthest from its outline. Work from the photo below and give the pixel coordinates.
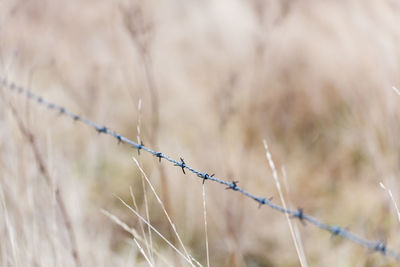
(377, 246)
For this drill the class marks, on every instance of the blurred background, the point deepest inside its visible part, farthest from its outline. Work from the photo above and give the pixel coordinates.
(206, 81)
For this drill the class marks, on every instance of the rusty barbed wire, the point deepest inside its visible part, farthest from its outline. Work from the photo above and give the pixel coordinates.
(377, 246)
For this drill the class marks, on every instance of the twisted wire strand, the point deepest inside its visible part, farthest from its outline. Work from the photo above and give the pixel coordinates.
(299, 214)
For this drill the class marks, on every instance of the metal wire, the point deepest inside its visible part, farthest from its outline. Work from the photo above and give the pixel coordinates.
(299, 214)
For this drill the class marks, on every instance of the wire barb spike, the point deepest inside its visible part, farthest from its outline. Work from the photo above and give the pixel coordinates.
(205, 176)
(119, 138)
(233, 186)
(381, 247)
(181, 164)
(139, 147)
(159, 155)
(335, 230)
(299, 214)
(263, 201)
(102, 129)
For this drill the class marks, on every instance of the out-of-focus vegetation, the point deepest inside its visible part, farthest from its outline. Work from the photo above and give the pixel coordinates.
(214, 78)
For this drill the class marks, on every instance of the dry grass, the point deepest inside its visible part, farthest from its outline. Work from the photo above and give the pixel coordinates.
(314, 78)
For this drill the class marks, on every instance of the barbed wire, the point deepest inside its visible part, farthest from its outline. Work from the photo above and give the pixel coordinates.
(233, 185)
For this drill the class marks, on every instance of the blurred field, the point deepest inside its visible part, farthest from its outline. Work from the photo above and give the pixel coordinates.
(215, 78)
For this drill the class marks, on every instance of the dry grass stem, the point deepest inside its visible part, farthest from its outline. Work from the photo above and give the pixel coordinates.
(389, 192)
(138, 128)
(297, 242)
(43, 169)
(156, 231)
(396, 90)
(9, 230)
(143, 253)
(134, 234)
(294, 223)
(148, 246)
(205, 224)
(163, 207)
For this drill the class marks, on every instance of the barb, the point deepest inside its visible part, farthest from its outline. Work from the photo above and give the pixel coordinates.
(377, 246)
(182, 164)
(139, 147)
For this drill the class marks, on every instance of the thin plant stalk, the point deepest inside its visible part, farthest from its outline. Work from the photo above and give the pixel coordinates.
(389, 192)
(141, 227)
(133, 233)
(205, 224)
(57, 191)
(297, 243)
(138, 127)
(156, 231)
(143, 253)
(162, 206)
